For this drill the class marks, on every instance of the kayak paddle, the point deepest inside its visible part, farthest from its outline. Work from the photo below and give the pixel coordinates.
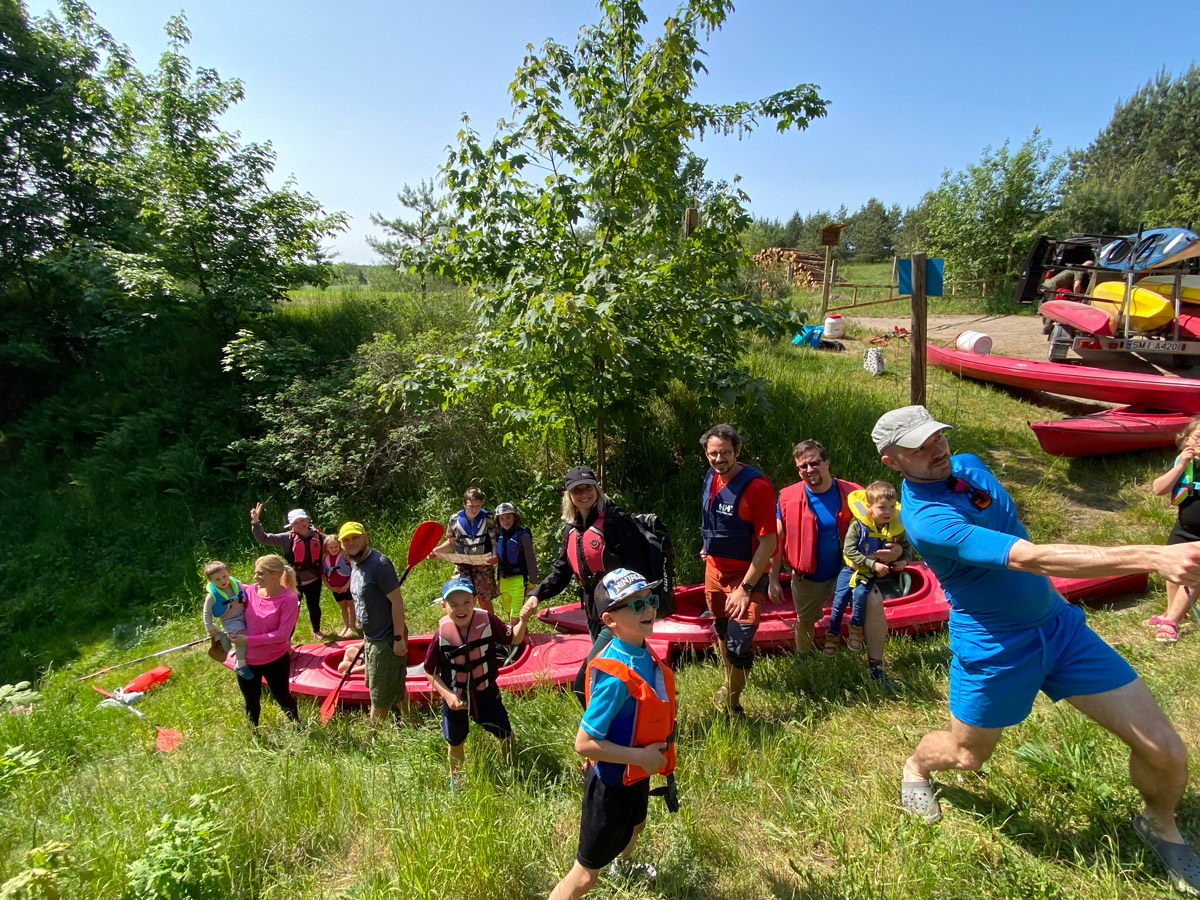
(166, 739)
(427, 536)
(130, 662)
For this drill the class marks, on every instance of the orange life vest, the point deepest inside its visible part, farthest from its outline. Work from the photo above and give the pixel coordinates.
(654, 719)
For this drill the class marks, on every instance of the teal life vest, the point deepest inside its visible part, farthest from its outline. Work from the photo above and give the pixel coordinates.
(221, 601)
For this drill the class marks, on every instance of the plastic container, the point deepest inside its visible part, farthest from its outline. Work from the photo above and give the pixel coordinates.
(974, 342)
(834, 328)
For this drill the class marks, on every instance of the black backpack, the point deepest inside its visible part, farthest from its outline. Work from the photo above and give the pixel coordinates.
(662, 559)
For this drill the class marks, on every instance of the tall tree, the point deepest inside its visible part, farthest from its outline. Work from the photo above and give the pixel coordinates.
(411, 242)
(1144, 167)
(871, 235)
(566, 228)
(221, 242)
(982, 218)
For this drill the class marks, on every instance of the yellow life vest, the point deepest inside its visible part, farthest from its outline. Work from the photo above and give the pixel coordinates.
(873, 536)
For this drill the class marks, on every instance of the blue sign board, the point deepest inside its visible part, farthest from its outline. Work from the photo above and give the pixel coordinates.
(934, 276)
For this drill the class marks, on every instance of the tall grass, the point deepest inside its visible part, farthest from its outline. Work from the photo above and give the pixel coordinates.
(798, 801)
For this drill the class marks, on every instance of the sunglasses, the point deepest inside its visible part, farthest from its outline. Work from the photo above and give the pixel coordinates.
(638, 604)
(980, 499)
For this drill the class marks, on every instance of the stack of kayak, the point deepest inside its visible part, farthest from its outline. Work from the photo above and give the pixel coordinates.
(542, 659)
(1157, 406)
(913, 603)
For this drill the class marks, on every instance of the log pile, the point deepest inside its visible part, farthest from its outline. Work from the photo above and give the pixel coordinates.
(799, 268)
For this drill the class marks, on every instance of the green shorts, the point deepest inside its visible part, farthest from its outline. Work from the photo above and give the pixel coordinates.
(385, 673)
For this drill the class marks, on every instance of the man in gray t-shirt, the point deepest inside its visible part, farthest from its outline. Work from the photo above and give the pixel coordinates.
(379, 604)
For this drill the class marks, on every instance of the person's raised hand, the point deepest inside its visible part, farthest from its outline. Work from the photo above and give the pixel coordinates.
(1187, 454)
(529, 608)
(256, 512)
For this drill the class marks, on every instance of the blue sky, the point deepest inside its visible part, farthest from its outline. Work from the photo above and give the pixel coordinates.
(359, 98)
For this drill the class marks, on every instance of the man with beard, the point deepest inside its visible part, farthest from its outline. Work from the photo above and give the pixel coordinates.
(738, 524)
(1012, 634)
(375, 587)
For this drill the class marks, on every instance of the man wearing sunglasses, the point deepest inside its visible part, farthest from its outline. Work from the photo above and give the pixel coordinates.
(1012, 634)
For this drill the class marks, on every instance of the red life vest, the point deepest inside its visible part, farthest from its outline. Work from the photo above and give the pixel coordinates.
(306, 551)
(585, 552)
(800, 524)
(654, 720)
(466, 663)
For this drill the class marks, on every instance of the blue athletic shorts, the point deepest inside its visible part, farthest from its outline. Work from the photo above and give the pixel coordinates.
(995, 678)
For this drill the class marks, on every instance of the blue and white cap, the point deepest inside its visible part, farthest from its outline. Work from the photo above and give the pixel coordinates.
(456, 584)
(619, 585)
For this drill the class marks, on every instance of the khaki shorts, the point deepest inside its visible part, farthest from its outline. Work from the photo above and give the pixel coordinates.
(385, 672)
(809, 597)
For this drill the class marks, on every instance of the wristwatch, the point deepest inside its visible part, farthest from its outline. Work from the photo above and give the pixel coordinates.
(397, 638)
(747, 587)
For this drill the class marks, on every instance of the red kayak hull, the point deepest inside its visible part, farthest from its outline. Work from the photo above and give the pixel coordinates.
(1080, 316)
(545, 659)
(1110, 431)
(923, 609)
(1088, 382)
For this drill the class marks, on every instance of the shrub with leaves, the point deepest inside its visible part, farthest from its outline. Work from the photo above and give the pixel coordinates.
(49, 875)
(183, 859)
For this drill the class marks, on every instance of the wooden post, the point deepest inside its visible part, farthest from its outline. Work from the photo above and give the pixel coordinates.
(920, 315)
(826, 280)
(895, 263)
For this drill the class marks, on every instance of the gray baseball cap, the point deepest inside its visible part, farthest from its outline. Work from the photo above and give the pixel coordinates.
(908, 427)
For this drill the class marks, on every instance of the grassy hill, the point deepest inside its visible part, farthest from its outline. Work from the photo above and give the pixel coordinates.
(801, 800)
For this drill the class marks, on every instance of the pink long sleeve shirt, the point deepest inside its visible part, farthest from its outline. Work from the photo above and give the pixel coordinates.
(270, 622)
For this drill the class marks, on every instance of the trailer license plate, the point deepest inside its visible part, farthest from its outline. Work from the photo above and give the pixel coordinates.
(1161, 346)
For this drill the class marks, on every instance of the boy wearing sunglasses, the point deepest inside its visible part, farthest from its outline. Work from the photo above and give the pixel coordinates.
(627, 733)
(1013, 635)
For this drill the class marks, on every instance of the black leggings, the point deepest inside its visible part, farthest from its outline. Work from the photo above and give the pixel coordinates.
(276, 672)
(312, 597)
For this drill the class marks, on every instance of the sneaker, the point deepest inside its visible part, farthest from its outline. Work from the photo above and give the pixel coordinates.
(244, 673)
(625, 869)
(830, 650)
(890, 686)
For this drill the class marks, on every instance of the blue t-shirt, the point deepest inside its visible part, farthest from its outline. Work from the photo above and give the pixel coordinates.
(610, 711)
(967, 548)
(825, 507)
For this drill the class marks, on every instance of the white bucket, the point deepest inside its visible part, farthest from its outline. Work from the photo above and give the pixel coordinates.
(974, 342)
(833, 325)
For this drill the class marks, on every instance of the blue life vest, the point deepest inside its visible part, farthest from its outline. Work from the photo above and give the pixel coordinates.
(509, 551)
(725, 532)
(221, 602)
(472, 538)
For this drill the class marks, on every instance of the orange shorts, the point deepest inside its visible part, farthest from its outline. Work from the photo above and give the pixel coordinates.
(719, 585)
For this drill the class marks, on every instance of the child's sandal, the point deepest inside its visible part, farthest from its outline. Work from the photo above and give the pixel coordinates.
(1167, 633)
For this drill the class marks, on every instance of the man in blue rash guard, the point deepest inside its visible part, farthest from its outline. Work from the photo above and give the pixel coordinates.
(1012, 634)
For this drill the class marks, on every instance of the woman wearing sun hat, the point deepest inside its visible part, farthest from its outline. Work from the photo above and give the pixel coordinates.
(598, 536)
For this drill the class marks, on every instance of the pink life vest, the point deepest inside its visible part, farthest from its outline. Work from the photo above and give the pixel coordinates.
(466, 662)
(585, 552)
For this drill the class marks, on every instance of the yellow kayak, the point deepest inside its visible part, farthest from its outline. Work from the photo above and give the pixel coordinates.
(1147, 310)
(1165, 285)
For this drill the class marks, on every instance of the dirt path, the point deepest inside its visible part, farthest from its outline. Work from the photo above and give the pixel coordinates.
(1019, 336)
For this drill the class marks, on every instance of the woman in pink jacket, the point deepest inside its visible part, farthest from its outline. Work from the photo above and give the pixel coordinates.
(272, 607)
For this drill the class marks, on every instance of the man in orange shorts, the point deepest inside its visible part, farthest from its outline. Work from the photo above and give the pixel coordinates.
(738, 525)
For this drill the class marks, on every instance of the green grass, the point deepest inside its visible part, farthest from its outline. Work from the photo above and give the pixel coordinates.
(997, 302)
(799, 801)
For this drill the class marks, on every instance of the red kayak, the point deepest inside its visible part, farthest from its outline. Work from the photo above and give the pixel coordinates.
(1081, 316)
(922, 608)
(1088, 382)
(1110, 431)
(543, 659)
